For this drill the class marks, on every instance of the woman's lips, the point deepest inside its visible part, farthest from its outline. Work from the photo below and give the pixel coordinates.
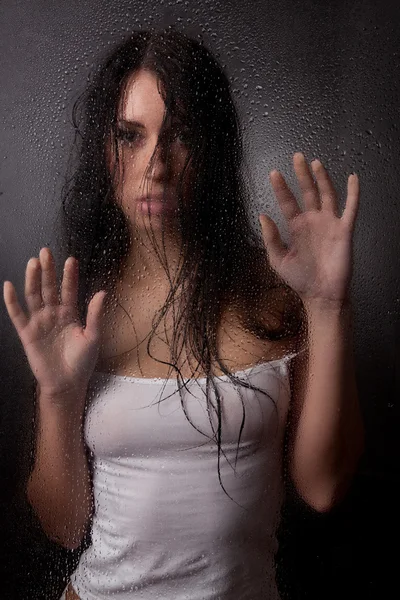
(154, 205)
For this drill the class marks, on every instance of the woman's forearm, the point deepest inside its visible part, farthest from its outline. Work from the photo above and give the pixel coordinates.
(329, 435)
(59, 487)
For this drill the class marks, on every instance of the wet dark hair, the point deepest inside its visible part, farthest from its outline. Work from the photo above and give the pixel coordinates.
(224, 262)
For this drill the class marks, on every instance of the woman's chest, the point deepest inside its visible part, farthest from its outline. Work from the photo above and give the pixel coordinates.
(135, 346)
(127, 417)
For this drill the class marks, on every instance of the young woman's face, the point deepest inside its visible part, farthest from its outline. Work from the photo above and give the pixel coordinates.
(147, 193)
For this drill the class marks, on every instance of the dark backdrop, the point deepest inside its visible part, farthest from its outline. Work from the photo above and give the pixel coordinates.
(319, 77)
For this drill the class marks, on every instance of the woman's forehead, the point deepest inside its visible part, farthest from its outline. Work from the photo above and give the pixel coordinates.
(141, 98)
(143, 94)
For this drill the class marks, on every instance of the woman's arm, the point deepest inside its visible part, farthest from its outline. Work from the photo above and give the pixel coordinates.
(326, 435)
(59, 487)
(62, 355)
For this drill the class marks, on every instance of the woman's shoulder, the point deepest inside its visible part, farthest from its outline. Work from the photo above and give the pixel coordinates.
(246, 343)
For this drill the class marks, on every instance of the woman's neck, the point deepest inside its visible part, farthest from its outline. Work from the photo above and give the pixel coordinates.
(143, 267)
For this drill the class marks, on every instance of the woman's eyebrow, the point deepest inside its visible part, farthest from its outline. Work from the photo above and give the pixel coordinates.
(176, 123)
(130, 124)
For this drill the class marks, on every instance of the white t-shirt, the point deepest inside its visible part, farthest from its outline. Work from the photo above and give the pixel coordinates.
(163, 527)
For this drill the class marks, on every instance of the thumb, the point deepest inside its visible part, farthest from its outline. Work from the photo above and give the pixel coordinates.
(94, 316)
(272, 239)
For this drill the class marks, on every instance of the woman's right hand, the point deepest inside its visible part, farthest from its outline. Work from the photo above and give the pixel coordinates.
(61, 353)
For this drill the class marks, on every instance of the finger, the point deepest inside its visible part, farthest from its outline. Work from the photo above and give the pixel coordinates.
(286, 200)
(325, 187)
(306, 182)
(33, 285)
(94, 315)
(49, 278)
(15, 312)
(352, 202)
(69, 286)
(276, 249)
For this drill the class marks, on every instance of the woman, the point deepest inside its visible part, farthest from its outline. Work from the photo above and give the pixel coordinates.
(164, 371)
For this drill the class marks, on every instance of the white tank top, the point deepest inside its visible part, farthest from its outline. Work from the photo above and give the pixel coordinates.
(163, 528)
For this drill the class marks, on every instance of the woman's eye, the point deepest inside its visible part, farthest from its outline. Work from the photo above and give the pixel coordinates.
(182, 135)
(128, 136)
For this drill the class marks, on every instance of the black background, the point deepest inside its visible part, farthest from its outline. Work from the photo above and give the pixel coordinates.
(317, 77)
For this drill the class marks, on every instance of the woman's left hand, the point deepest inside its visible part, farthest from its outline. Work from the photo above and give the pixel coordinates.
(318, 262)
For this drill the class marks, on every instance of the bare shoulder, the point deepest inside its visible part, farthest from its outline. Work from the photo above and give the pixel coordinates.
(241, 342)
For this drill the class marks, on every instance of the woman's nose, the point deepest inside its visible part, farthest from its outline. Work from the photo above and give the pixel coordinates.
(163, 160)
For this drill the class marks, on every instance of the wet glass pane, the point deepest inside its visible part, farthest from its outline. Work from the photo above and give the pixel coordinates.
(196, 402)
